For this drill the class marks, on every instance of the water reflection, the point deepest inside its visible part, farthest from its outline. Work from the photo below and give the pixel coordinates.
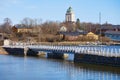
(29, 68)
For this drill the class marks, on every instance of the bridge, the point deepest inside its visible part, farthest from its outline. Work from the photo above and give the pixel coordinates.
(83, 53)
(101, 50)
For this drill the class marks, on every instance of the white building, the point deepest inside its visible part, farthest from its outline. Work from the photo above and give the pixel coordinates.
(70, 17)
(7, 42)
(63, 29)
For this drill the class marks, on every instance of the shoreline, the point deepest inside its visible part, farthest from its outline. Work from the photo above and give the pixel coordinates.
(2, 51)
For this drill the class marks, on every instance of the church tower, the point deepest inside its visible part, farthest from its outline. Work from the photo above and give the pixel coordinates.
(70, 17)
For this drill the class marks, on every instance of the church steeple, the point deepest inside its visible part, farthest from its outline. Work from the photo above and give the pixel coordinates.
(70, 17)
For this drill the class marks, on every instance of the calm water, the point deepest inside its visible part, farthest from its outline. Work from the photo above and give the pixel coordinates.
(33, 68)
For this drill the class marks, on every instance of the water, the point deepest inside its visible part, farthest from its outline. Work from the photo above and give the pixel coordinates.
(33, 68)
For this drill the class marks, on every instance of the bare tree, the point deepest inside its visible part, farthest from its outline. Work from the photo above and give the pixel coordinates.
(27, 22)
(6, 26)
(50, 27)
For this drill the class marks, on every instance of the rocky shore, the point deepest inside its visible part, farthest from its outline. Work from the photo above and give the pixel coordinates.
(2, 51)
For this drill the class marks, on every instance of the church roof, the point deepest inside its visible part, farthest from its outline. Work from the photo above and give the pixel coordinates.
(70, 10)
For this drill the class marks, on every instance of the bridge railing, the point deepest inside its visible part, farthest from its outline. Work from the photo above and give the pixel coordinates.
(98, 50)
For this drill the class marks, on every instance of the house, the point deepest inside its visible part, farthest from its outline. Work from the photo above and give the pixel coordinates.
(105, 28)
(92, 36)
(71, 36)
(14, 29)
(63, 29)
(113, 35)
(7, 42)
(24, 30)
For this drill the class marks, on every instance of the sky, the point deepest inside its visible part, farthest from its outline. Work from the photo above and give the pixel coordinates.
(54, 10)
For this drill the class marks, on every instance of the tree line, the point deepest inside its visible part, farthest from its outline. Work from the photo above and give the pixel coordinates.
(46, 31)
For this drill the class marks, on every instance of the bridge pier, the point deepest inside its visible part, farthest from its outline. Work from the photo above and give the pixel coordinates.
(88, 58)
(95, 59)
(78, 57)
(14, 51)
(30, 52)
(55, 55)
(25, 51)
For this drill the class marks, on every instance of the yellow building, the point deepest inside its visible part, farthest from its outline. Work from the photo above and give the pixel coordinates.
(24, 30)
(92, 36)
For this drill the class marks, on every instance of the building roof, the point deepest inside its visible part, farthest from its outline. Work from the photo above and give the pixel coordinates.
(110, 27)
(63, 29)
(90, 33)
(24, 28)
(73, 33)
(113, 32)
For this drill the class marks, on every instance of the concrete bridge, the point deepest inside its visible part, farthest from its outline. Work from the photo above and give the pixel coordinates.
(81, 49)
(82, 53)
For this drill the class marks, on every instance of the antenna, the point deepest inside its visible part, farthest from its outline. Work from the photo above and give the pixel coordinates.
(100, 21)
(100, 31)
(100, 18)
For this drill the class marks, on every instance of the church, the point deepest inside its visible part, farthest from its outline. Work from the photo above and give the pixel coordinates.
(70, 22)
(69, 30)
(70, 16)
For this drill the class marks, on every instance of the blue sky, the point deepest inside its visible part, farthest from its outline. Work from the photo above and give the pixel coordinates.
(85, 10)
